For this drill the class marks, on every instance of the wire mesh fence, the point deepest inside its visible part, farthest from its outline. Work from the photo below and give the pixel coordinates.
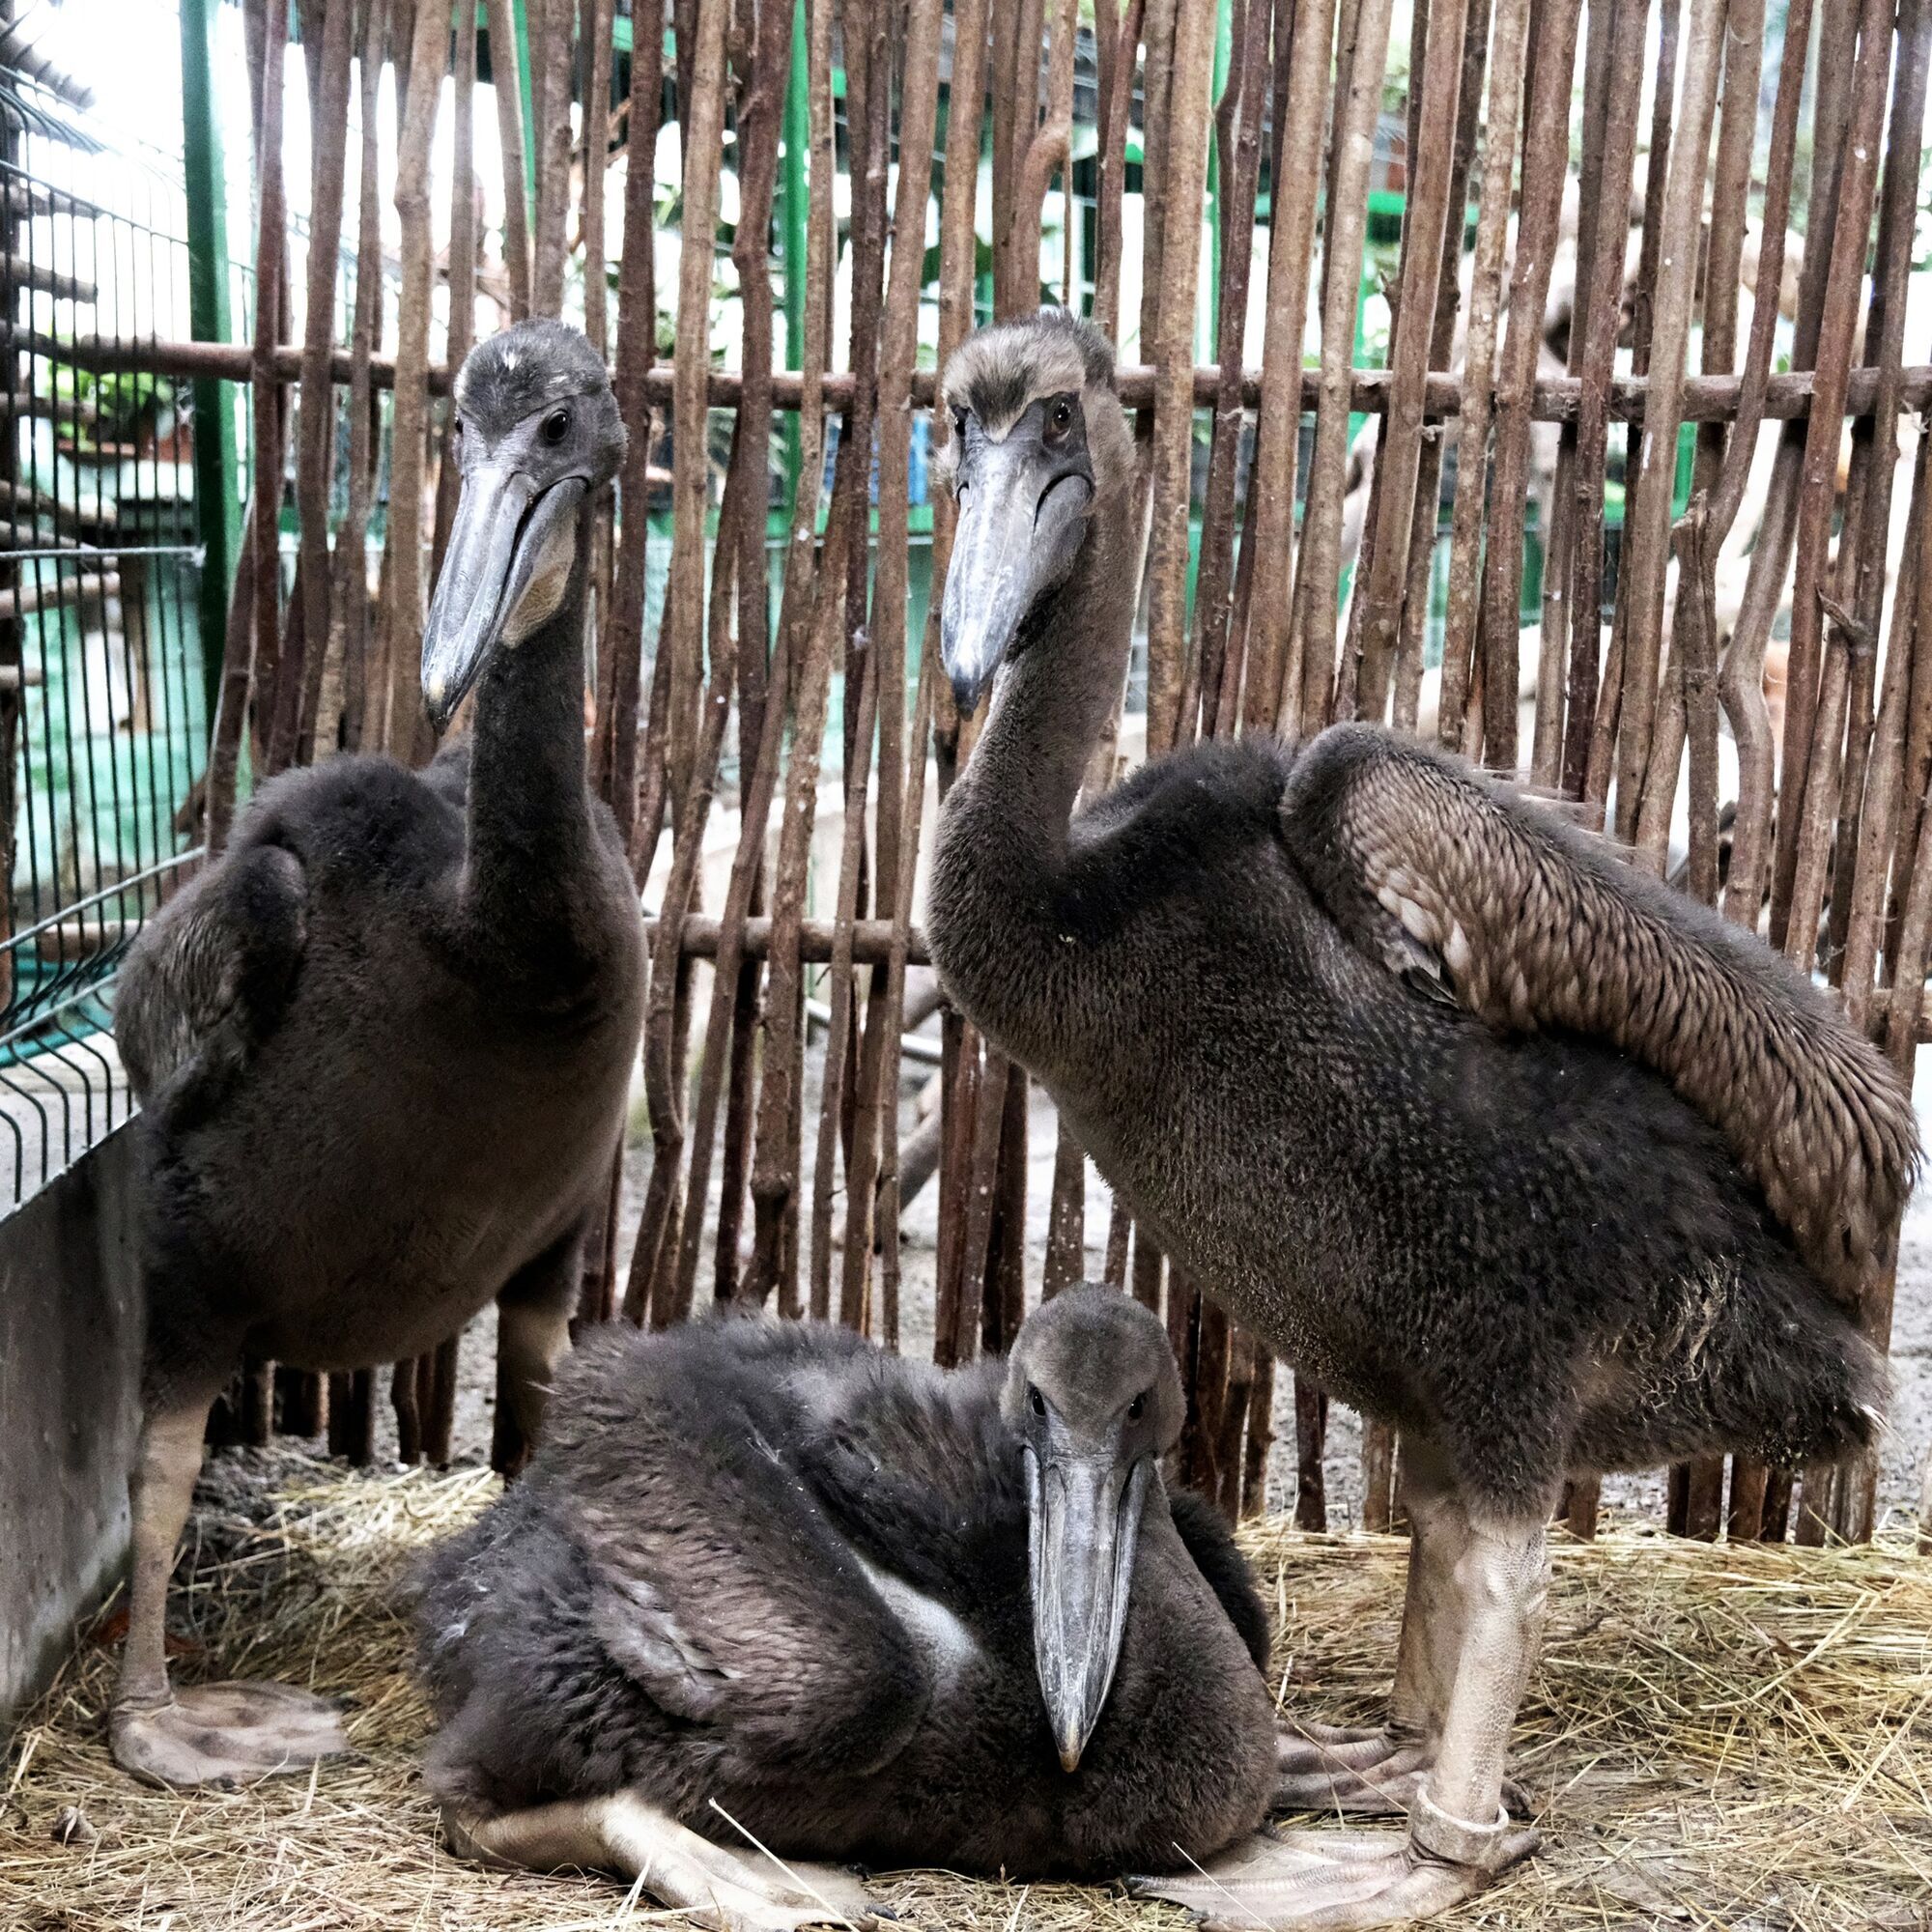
(104, 684)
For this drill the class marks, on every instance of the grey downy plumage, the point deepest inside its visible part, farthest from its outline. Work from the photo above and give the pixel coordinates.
(765, 1583)
(1495, 1138)
(383, 1042)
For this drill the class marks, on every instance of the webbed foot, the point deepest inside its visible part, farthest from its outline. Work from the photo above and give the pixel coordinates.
(1337, 1881)
(715, 1884)
(226, 1734)
(1364, 1773)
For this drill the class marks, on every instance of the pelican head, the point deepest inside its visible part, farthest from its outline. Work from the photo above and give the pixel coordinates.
(1038, 440)
(1092, 1393)
(537, 431)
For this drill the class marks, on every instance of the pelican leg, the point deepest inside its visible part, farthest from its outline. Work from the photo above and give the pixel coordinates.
(534, 1314)
(1377, 1772)
(1460, 1834)
(216, 1733)
(719, 1888)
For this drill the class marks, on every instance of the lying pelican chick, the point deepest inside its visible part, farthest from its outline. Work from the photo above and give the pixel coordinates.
(765, 1586)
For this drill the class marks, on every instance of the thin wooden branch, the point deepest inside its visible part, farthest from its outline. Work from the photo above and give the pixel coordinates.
(1311, 1429)
(1159, 20)
(596, 159)
(1048, 152)
(728, 935)
(301, 682)
(269, 422)
(1651, 747)
(682, 632)
(1238, 118)
(1596, 322)
(1399, 452)
(1183, 188)
(613, 762)
(505, 77)
(1867, 520)
(1344, 229)
(351, 558)
(1422, 539)
(807, 621)
(1014, 23)
(1273, 690)
(405, 731)
(1741, 679)
(464, 217)
(1545, 164)
(839, 1034)
(1850, 232)
(761, 709)
(1459, 635)
(1117, 37)
(883, 1076)
(774, 1174)
(1887, 802)
(651, 1283)
(988, 1117)
(876, 1112)
(552, 26)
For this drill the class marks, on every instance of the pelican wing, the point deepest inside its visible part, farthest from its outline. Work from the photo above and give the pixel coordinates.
(1455, 881)
(211, 971)
(718, 1584)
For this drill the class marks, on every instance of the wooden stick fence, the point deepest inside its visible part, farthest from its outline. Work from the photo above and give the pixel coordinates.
(1266, 611)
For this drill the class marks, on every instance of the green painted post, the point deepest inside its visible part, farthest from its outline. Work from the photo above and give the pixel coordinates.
(217, 507)
(792, 237)
(982, 283)
(521, 13)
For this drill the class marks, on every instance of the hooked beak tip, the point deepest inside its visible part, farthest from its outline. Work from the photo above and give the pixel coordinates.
(1070, 1758)
(966, 696)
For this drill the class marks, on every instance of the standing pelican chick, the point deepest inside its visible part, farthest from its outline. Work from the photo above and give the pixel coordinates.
(1497, 1139)
(765, 1583)
(384, 1045)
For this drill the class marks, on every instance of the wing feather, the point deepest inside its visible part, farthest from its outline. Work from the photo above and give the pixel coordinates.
(212, 971)
(1536, 926)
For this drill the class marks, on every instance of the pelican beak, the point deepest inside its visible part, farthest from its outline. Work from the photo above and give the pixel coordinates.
(1022, 515)
(510, 554)
(1085, 1520)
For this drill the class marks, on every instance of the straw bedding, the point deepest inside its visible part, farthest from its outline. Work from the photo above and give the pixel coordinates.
(1716, 1738)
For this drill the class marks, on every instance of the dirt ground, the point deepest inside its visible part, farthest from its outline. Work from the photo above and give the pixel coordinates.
(1714, 1738)
(1906, 1443)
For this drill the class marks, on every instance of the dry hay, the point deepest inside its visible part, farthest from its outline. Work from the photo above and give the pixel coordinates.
(1735, 1738)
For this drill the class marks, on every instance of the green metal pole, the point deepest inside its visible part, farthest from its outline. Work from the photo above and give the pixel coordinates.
(792, 239)
(521, 13)
(217, 507)
(982, 284)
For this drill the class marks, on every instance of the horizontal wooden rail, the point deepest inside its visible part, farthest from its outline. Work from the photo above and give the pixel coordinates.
(1555, 399)
(871, 940)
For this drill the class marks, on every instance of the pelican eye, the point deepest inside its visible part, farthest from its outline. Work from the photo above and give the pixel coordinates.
(1038, 1400)
(555, 426)
(1138, 1406)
